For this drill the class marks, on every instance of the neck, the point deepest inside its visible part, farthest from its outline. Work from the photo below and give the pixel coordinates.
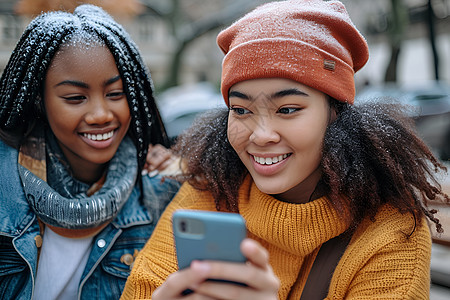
(81, 169)
(309, 189)
(88, 173)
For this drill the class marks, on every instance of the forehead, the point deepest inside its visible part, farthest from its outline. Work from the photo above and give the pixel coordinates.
(82, 57)
(269, 86)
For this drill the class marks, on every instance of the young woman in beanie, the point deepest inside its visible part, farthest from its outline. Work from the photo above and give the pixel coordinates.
(334, 194)
(77, 116)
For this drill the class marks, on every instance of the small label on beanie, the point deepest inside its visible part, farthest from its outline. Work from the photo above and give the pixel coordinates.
(329, 64)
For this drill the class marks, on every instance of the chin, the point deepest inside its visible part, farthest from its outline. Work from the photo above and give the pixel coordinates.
(270, 187)
(101, 160)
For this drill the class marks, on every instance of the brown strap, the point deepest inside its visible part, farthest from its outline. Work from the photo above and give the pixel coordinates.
(319, 277)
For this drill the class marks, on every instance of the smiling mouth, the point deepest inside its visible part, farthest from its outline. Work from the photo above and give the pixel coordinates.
(270, 160)
(99, 136)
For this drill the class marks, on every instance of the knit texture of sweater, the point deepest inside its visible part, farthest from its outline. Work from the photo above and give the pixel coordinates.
(382, 261)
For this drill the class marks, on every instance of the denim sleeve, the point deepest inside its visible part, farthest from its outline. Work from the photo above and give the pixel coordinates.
(158, 192)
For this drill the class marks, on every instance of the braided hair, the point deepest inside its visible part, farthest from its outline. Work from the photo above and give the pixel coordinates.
(21, 84)
(364, 159)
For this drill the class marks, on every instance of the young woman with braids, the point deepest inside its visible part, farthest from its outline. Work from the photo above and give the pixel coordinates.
(307, 170)
(77, 116)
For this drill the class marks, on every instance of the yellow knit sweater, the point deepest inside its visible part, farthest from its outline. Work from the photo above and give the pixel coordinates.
(380, 262)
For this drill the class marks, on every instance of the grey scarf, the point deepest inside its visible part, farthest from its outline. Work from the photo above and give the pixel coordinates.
(62, 200)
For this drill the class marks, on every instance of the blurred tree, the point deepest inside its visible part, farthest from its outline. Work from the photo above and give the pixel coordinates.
(397, 25)
(186, 26)
(398, 20)
(32, 8)
(432, 35)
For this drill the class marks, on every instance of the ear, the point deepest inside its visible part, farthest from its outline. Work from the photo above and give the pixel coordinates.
(332, 113)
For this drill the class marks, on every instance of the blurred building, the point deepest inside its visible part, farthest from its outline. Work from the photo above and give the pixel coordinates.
(148, 30)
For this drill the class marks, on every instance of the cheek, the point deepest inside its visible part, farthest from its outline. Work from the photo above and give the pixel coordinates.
(126, 119)
(123, 112)
(238, 134)
(315, 148)
(308, 142)
(59, 118)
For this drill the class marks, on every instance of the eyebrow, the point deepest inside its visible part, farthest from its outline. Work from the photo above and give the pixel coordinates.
(238, 95)
(112, 80)
(289, 92)
(72, 82)
(85, 85)
(278, 94)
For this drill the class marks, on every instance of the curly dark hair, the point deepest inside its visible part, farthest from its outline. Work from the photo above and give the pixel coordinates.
(371, 154)
(21, 84)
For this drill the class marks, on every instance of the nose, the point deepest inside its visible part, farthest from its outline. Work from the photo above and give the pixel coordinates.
(99, 111)
(264, 132)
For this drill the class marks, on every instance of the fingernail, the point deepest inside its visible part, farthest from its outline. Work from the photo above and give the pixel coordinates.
(153, 173)
(144, 172)
(202, 267)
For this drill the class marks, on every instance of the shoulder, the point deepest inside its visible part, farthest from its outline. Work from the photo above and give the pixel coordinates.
(10, 183)
(15, 211)
(8, 158)
(393, 226)
(187, 197)
(386, 256)
(190, 197)
(7, 151)
(159, 186)
(393, 231)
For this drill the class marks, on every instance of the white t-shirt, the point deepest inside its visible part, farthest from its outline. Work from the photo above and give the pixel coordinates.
(61, 264)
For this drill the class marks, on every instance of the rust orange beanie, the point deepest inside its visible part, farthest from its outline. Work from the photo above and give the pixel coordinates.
(313, 42)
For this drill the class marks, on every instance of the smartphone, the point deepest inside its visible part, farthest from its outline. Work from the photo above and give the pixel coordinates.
(206, 235)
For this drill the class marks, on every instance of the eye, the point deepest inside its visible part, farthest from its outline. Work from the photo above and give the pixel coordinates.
(74, 98)
(240, 111)
(288, 110)
(116, 95)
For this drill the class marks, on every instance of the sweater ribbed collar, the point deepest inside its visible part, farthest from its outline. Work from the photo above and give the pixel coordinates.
(295, 228)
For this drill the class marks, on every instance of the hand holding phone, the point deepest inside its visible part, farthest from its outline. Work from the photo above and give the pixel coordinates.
(201, 235)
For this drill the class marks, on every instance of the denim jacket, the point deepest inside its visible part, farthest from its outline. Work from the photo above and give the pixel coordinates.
(114, 248)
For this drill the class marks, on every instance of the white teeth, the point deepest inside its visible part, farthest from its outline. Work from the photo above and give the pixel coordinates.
(270, 160)
(99, 137)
